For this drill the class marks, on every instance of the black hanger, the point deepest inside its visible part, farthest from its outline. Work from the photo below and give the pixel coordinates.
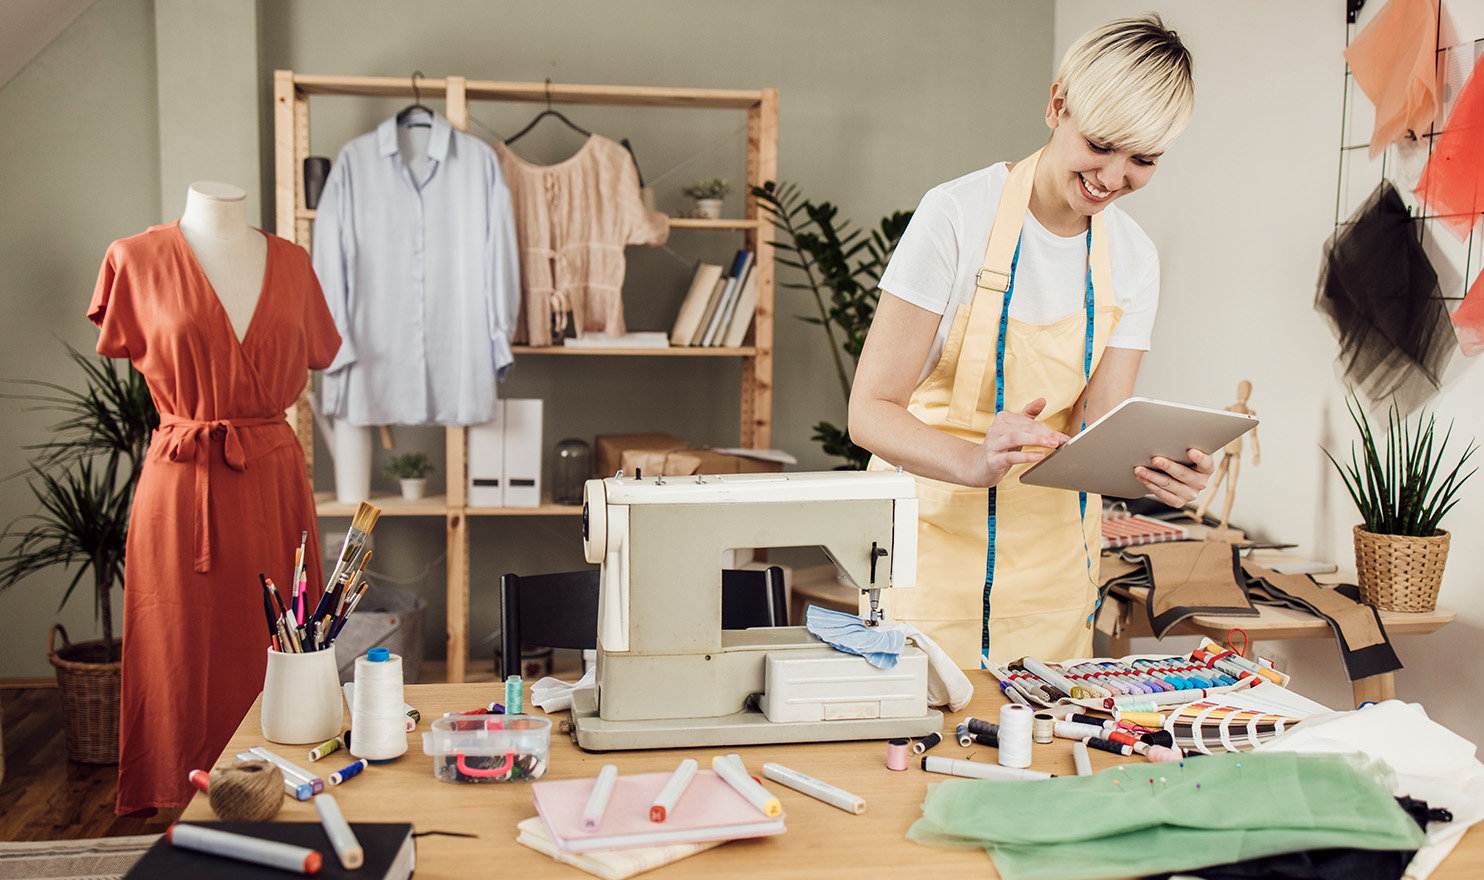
(415, 106)
(545, 113)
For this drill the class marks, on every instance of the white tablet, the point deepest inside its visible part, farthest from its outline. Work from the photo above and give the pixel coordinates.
(1101, 459)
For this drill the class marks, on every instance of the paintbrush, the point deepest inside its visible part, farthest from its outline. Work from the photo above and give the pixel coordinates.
(296, 585)
(355, 540)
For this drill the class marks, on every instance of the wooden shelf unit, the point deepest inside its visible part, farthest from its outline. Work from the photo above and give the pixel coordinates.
(291, 93)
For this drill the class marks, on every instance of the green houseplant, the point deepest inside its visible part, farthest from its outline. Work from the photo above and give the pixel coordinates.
(411, 469)
(83, 481)
(1402, 489)
(840, 266)
(708, 194)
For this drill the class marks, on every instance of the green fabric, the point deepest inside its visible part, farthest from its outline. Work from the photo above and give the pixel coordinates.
(1139, 819)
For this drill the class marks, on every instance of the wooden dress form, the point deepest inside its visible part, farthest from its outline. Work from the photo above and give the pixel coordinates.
(224, 495)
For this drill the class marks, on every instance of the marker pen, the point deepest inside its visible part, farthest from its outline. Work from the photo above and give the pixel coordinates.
(835, 797)
(731, 769)
(977, 770)
(283, 856)
(597, 802)
(290, 769)
(338, 830)
(1080, 758)
(664, 802)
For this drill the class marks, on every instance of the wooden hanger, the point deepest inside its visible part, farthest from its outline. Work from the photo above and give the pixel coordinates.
(545, 113)
(415, 106)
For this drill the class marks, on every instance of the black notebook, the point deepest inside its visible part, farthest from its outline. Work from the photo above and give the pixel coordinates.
(388, 847)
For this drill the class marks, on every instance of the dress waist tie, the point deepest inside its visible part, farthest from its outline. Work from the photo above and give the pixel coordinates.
(190, 440)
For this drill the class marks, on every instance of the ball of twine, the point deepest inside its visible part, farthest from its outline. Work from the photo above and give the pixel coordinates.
(248, 792)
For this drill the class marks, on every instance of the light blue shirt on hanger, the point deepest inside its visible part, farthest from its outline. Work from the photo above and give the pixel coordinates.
(414, 245)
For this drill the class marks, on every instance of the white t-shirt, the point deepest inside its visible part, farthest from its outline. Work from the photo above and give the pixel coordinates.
(937, 259)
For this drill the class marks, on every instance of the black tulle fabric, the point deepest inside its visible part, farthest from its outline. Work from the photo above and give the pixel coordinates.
(1381, 296)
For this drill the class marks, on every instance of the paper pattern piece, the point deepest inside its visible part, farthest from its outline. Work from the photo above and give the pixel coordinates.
(609, 864)
(1394, 61)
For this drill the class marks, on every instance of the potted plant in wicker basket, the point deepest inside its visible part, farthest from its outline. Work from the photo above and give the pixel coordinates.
(83, 480)
(1402, 493)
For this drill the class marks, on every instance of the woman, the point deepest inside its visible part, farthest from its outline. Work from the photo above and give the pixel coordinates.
(951, 393)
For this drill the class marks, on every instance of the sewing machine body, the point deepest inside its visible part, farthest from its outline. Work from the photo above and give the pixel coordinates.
(669, 676)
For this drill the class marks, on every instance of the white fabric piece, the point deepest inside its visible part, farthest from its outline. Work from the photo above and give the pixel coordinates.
(939, 256)
(554, 695)
(947, 684)
(1431, 763)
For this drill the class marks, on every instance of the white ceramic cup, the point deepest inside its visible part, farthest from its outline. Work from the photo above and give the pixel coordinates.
(301, 698)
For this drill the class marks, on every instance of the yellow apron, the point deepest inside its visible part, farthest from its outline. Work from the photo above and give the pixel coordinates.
(1034, 593)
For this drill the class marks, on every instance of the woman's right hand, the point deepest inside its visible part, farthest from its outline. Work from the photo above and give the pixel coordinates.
(1005, 442)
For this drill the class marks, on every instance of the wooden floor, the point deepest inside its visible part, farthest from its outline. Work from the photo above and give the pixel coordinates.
(44, 796)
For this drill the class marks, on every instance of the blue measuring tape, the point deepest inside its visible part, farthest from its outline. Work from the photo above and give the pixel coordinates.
(999, 406)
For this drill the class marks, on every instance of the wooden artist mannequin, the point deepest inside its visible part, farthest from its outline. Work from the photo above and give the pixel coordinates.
(1230, 464)
(232, 254)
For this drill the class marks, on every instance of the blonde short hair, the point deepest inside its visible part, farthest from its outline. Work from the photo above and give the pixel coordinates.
(1128, 84)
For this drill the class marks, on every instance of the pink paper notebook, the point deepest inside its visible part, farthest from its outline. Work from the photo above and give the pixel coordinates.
(710, 809)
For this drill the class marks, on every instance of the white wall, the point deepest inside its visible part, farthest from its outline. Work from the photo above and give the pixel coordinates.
(1240, 209)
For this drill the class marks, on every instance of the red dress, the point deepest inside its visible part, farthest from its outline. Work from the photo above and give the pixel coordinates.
(224, 495)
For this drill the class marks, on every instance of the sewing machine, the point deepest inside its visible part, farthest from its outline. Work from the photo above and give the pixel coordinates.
(669, 676)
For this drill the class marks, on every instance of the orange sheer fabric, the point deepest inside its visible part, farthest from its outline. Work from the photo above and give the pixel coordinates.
(1452, 183)
(1394, 61)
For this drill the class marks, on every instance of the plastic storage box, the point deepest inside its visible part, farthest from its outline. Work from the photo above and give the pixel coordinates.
(489, 748)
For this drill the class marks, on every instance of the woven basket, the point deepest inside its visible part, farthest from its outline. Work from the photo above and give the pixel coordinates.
(1400, 572)
(90, 697)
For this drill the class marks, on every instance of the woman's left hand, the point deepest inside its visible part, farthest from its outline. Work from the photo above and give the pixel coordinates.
(1176, 484)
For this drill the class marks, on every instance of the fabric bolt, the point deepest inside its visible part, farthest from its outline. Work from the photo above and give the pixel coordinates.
(1364, 647)
(1468, 319)
(1132, 819)
(1380, 293)
(573, 220)
(1191, 577)
(224, 495)
(1024, 588)
(415, 247)
(1452, 182)
(1394, 61)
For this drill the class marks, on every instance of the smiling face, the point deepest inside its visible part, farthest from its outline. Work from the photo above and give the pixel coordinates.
(1079, 175)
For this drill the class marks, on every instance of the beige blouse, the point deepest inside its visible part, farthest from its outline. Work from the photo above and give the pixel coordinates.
(572, 222)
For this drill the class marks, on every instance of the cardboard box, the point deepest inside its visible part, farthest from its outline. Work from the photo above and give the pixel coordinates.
(610, 448)
(705, 461)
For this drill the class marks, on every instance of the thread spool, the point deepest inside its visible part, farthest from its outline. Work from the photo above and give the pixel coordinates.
(965, 739)
(1043, 727)
(378, 716)
(1161, 754)
(1073, 730)
(896, 754)
(1159, 738)
(248, 792)
(1142, 719)
(513, 686)
(1015, 735)
(926, 742)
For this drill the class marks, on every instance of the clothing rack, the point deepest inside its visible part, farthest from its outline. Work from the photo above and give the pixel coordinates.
(291, 94)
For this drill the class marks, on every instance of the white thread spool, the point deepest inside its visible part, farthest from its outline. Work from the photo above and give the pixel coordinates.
(377, 717)
(1015, 735)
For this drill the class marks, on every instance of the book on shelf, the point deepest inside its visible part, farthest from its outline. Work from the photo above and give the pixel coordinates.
(388, 847)
(719, 295)
(719, 322)
(632, 339)
(702, 283)
(611, 864)
(709, 810)
(743, 314)
(718, 292)
(1131, 529)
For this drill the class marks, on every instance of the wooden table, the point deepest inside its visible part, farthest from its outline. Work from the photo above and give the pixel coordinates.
(821, 841)
(1130, 620)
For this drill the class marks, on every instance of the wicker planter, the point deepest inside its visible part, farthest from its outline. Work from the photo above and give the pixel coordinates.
(1399, 572)
(89, 681)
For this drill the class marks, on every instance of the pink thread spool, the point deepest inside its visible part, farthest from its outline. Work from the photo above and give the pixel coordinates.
(896, 754)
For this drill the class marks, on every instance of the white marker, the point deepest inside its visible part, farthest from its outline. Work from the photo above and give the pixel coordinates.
(1080, 759)
(597, 802)
(977, 770)
(835, 797)
(283, 856)
(338, 830)
(731, 769)
(290, 769)
(664, 802)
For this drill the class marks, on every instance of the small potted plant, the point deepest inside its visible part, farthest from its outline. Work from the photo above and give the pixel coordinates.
(708, 194)
(1399, 549)
(412, 470)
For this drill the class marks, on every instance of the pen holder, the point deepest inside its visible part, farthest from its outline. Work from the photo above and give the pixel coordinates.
(301, 698)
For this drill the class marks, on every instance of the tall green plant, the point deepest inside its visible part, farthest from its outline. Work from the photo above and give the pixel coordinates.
(840, 266)
(83, 479)
(1397, 491)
